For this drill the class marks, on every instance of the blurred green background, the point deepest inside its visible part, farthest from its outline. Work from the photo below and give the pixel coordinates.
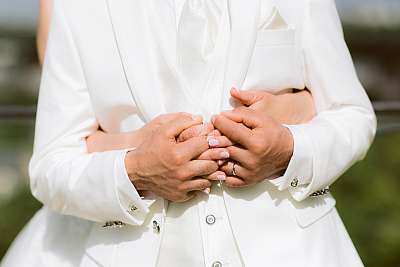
(367, 195)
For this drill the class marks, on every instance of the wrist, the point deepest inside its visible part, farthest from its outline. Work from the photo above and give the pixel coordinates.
(287, 150)
(132, 169)
(134, 138)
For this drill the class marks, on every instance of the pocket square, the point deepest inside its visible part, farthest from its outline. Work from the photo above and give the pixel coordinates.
(273, 22)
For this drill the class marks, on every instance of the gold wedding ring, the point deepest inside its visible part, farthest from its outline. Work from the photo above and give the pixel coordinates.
(234, 170)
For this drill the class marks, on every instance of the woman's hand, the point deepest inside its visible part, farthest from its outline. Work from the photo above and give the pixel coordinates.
(289, 108)
(262, 149)
(168, 168)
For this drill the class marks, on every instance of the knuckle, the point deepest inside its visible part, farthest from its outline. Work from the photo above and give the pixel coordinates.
(258, 147)
(205, 156)
(252, 163)
(176, 158)
(213, 166)
(207, 183)
(217, 120)
(181, 188)
(181, 174)
(168, 131)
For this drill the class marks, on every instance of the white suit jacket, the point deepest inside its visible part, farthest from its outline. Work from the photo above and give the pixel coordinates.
(111, 64)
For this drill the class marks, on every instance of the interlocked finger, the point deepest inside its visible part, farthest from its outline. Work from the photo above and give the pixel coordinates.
(219, 141)
(198, 184)
(240, 155)
(232, 169)
(215, 154)
(236, 132)
(216, 176)
(197, 168)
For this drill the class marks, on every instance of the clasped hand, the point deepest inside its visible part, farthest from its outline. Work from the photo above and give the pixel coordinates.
(183, 155)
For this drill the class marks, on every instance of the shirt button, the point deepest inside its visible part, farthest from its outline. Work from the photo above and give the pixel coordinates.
(217, 264)
(294, 183)
(210, 219)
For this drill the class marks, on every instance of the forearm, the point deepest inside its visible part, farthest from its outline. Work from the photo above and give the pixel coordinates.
(43, 28)
(298, 107)
(63, 176)
(101, 141)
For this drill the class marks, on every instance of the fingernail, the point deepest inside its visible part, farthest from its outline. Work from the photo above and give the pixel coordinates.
(212, 141)
(234, 89)
(221, 177)
(207, 190)
(225, 154)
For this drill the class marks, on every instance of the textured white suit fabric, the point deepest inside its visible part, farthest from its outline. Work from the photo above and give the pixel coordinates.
(117, 69)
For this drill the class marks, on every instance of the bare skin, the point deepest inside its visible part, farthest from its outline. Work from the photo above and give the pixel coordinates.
(43, 28)
(168, 168)
(261, 146)
(234, 136)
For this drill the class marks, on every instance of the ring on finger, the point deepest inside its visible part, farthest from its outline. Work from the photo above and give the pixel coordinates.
(234, 173)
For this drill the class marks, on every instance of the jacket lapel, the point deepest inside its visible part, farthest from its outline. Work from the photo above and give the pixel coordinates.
(244, 17)
(145, 34)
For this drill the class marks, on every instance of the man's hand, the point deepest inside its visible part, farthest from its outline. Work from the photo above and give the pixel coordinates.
(263, 147)
(168, 168)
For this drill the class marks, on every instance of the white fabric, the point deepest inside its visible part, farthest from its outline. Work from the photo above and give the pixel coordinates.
(187, 239)
(117, 69)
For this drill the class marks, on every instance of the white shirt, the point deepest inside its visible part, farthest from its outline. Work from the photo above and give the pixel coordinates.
(203, 218)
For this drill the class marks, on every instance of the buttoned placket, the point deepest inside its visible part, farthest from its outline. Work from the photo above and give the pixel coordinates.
(219, 247)
(218, 242)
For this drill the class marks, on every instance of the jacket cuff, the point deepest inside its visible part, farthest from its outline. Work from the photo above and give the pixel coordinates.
(134, 207)
(298, 175)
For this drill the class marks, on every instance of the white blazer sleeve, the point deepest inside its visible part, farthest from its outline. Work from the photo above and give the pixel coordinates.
(63, 175)
(345, 126)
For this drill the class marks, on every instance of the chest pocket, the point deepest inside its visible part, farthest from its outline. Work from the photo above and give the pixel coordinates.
(275, 62)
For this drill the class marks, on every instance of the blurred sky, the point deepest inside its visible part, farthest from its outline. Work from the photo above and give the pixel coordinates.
(21, 14)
